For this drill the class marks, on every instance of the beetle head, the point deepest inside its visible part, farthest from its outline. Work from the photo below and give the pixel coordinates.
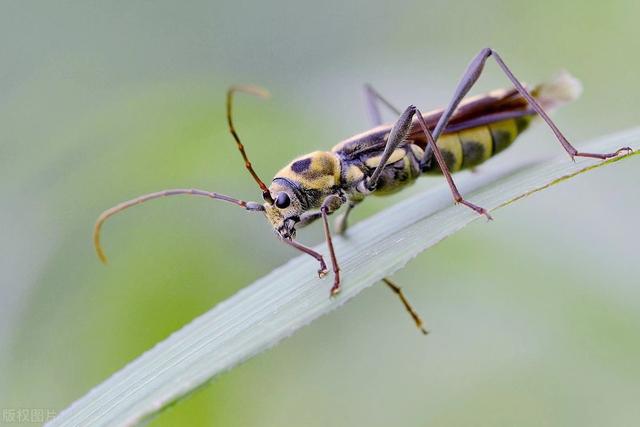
(286, 209)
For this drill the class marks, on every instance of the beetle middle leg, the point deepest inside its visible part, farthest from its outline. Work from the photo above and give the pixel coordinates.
(457, 197)
(372, 100)
(341, 223)
(397, 135)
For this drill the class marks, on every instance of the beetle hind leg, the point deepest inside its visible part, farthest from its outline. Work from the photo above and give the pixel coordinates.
(470, 77)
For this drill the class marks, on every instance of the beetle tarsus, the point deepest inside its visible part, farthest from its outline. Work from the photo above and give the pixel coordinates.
(621, 151)
(478, 209)
(336, 288)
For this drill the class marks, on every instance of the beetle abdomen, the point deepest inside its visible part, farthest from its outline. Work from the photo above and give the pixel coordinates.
(470, 147)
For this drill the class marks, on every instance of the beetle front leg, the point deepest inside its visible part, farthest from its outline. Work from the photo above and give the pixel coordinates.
(302, 248)
(330, 204)
(308, 218)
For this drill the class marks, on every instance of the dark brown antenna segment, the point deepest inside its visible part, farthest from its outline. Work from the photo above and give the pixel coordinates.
(250, 206)
(259, 92)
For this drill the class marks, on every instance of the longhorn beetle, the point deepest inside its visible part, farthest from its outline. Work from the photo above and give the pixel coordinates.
(387, 158)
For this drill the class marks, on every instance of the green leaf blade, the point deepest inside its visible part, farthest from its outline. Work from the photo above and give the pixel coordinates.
(275, 306)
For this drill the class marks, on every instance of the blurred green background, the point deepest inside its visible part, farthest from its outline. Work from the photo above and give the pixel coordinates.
(535, 317)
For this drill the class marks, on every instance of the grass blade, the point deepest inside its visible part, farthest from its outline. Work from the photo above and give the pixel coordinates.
(275, 306)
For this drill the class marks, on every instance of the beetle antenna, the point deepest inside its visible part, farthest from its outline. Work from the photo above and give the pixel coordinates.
(262, 93)
(250, 206)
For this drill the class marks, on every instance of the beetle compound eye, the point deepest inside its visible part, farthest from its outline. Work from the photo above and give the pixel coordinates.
(283, 201)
